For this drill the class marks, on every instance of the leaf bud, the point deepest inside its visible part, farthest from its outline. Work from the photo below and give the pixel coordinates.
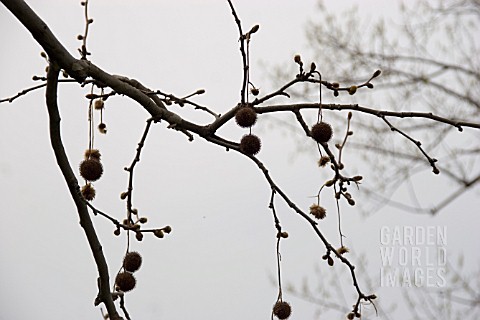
(254, 29)
(329, 183)
(352, 90)
(376, 74)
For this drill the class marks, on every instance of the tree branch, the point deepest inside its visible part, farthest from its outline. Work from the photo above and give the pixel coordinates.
(72, 183)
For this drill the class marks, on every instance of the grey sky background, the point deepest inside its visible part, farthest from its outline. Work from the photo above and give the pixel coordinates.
(219, 258)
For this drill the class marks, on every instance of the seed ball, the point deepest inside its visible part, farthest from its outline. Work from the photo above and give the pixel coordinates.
(99, 104)
(318, 211)
(282, 310)
(88, 192)
(321, 132)
(246, 117)
(250, 144)
(125, 281)
(132, 261)
(323, 161)
(91, 169)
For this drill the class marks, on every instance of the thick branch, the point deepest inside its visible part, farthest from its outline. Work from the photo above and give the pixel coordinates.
(72, 183)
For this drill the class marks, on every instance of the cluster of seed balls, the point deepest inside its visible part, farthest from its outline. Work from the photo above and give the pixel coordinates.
(246, 117)
(125, 281)
(91, 169)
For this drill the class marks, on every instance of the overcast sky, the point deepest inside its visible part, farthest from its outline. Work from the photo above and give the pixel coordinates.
(219, 260)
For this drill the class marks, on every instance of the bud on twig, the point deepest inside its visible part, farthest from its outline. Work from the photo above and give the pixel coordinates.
(254, 29)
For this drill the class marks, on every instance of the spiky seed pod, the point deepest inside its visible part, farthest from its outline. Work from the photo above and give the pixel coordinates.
(125, 281)
(99, 104)
(246, 117)
(132, 261)
(92, 153)
(322, 162)
(250, 144)
(342, 250)
(91, 169)
(88, 192)
(321, 132)
(282, 310)
(318, 211)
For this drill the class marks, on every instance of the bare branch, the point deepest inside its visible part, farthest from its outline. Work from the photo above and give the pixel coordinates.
(64, 165)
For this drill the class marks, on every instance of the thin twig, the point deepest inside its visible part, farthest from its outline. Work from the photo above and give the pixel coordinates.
(417, 143)
(122, 306)
(132, 167)
(25, 91)
(244, 55)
